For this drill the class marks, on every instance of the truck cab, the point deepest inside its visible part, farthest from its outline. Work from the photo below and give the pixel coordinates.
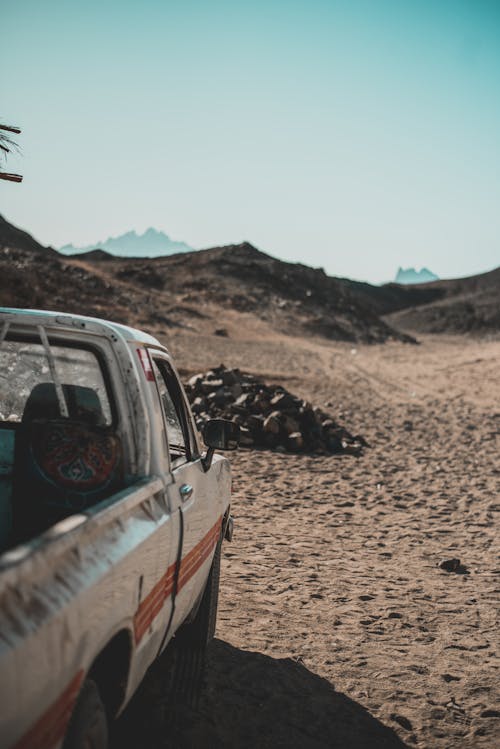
(111, 519)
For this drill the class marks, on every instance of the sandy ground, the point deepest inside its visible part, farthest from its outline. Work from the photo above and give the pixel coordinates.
(337, 627)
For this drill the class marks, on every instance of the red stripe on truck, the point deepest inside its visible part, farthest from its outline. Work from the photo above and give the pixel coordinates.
(51, 726)
(193, 561)
(151, 606)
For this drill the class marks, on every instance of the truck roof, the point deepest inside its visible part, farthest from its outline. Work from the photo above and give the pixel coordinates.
(65, 319)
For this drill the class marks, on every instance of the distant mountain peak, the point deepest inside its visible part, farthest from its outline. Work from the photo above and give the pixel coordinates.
(411, 275)
(151, 243)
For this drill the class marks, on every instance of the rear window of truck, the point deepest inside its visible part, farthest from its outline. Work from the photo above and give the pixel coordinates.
(69, 383)
(59, 450)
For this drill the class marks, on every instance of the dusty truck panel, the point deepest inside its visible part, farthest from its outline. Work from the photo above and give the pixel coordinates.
(86, 580)
(110, 515)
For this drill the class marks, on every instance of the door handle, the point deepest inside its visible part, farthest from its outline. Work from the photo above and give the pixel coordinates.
(185, 491)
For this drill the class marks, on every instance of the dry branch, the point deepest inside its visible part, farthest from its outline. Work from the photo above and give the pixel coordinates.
(10, 129)
(5, 142)
(11, 177)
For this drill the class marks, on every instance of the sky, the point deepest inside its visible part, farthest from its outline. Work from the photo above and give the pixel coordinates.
(356, 135)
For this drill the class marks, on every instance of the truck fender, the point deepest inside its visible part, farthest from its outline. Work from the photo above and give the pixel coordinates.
(110, 671)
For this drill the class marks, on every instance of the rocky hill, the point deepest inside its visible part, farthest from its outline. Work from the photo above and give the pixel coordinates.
(199, 291)
(464, 305)
(191, 290)
(458, 306)
(14, 238)
(289, 296)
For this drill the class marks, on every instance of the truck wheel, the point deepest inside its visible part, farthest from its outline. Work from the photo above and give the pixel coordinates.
(88, 727)
(189, 646)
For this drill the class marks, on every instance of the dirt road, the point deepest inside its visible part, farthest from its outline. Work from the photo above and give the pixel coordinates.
(337, 627)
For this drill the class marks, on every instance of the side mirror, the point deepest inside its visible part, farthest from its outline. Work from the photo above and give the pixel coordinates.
(219, 434)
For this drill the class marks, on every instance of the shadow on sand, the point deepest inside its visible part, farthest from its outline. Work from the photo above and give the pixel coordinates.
(252, 700)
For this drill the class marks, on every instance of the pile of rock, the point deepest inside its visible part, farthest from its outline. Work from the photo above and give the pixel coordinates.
(268, 415)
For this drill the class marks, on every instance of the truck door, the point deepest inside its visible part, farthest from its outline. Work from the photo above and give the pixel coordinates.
(192, 489)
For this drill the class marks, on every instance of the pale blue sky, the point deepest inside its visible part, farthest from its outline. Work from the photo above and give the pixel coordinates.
(357, 136)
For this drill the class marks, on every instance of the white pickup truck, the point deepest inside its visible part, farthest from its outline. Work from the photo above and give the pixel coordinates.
(111, 523)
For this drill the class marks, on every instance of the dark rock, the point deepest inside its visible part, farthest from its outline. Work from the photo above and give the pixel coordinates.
(230, 376)
(271, 424)
(453, 565)
(402, 720)
(361, 440)
(238, 419)
(269, 416)
(207, 385)
(261, 403)
(219, 397)
(221, 332)
(195, 381)
(236, 390)
(282, 400)
(255, 423)
(295, 441)
(351, 448)
(290, 424)
(490, 713)
(246, 439)
(198, 405)
(243, 400)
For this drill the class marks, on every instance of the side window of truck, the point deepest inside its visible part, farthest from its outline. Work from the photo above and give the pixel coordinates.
(176, 422)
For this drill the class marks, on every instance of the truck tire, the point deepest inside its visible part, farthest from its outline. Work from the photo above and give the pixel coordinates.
(88, 727)
(189, 647)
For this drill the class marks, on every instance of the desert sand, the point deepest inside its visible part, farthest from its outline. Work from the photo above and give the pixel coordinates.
(337, 627)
